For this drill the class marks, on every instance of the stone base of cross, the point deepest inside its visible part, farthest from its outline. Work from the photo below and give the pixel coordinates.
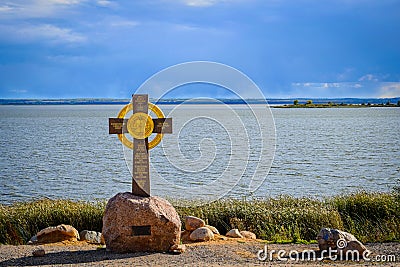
(140, 126)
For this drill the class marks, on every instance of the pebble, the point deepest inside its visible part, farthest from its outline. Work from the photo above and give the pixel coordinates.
(234, 233)
(40, 252)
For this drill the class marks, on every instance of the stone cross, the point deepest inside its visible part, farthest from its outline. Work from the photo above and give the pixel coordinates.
(140, 126)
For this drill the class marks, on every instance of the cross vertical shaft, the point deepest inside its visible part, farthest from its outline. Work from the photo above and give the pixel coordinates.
(141, 169)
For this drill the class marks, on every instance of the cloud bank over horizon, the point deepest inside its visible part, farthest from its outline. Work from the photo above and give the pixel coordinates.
(290, 49)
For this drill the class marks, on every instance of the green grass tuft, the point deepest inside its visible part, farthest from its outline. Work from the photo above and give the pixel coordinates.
(371, 216)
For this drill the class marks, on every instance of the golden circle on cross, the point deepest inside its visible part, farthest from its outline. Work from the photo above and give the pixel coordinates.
(140, 125)
(128, 143)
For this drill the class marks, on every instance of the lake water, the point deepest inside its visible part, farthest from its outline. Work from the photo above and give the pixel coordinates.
(66, 152)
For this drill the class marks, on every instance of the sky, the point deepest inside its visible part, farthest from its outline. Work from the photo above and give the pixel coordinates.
(289, 48)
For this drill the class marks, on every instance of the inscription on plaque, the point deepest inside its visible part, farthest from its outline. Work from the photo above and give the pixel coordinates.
(140, 126)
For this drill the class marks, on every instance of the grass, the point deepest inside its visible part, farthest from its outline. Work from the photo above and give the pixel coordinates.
(371, 217)
(277, 219)
(21, 221)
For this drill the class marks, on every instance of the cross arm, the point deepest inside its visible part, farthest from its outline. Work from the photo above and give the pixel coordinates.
(162, 125)
(118, 125)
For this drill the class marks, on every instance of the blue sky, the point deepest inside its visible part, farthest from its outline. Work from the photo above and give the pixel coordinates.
(290, 48)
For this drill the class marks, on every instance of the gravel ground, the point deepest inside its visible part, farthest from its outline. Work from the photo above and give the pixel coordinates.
(215, 253)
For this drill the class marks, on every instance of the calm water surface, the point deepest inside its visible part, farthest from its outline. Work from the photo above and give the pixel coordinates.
(66, 152)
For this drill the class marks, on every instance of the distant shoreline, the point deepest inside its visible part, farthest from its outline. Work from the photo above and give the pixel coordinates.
(276, 102)
(341, 105)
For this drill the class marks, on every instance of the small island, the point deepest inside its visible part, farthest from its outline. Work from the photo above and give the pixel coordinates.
(310, 104)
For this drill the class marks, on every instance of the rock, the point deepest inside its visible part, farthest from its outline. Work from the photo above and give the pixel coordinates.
(57, 234)
(234, 233)
(177, 249)
(328, 238)
(185, 235)
(91, 237)
(192, 223)
(213, 229)
(33, 240)
(338, 240)
(39, 252)
(355, 246)
(220, 237)
(202, 234)
(133, 223)
(248, 235)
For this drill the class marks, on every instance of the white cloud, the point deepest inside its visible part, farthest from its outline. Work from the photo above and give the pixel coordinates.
(106, 3)
(390, 90)
(124, 23)
(302, 84)
(317, 85)
(368, 78)
(377, 77)
(47, 32)
(200, 3)
(205, 3)
(365, 88)
(210, 3)
(328, 85)
(6, 8)
(345, 75)
(18, 91)
(68, 59)
(184, 27)
(23, 9)
(60, 2)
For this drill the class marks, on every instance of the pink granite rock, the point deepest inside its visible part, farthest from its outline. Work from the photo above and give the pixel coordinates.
(92, 237)
(177, 249)
(202, 234)
(248, 235)
(338, 240)
(132, 223)
(192, 223)
(58, 233)
(234, 233)
(213, 229)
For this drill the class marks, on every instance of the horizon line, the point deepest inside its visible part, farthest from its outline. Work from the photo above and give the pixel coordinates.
(186, 98)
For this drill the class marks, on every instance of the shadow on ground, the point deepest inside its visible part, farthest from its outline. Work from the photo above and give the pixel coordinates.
(70, 257)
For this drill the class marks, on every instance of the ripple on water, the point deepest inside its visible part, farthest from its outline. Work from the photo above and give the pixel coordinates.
(66, 152)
